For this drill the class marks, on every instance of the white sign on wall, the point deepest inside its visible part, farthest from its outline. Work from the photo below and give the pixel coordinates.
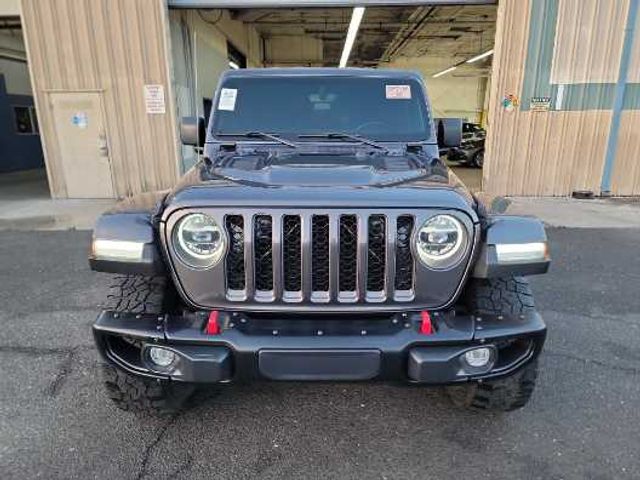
(154, 99)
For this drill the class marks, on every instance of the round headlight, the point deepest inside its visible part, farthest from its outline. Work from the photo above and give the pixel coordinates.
(442, 241)
(199, 241)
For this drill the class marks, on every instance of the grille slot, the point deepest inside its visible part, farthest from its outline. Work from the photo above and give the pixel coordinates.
(320, 253)
(376, 253)
(348, 245)
(319, 258)
(292, 253)
(404, 258)
(263, 252)
(235, 256)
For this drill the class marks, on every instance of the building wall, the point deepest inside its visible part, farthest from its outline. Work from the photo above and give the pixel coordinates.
(451, 95)
(199, 57)
(9, 8)
(293, 50)
(14, 66)
(19, 151)
(114, 47)
(568, 51)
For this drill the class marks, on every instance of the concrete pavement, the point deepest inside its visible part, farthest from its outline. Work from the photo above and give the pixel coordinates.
(573, 213)
(55, 421)
(25, 204)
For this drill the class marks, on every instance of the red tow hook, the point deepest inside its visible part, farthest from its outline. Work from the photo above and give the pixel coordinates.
(213, 327)
(426, 327)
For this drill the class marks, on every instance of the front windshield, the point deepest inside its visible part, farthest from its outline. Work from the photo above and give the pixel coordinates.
(377, 108)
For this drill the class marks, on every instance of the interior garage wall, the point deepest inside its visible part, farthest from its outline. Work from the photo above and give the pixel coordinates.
(450, 95)
(9, 8)
(199, 57)
(114, 47)
(293, 50)
(568, 51)
(14, 67)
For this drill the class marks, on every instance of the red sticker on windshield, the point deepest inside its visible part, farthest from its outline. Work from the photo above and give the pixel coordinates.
(398, 92)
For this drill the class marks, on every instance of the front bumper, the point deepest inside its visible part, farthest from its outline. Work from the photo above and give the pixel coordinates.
(314, 347)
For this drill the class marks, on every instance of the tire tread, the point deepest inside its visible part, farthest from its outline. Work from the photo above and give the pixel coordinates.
(498, 296)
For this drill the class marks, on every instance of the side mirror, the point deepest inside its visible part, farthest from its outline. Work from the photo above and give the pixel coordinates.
(192, 131)
(449, 132)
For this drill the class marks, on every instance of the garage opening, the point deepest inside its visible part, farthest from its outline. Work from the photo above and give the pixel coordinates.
(22, 171)
(450, 45)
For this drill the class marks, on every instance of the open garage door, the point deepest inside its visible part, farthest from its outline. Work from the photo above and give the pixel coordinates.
(450, 43)
(22, 170)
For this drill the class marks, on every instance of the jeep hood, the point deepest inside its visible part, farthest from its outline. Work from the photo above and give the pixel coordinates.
(385, 181)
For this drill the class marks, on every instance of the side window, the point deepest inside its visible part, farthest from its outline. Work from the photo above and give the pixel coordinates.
(25, 120)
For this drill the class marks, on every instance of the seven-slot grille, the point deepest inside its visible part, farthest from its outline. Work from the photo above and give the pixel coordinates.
(322, 258)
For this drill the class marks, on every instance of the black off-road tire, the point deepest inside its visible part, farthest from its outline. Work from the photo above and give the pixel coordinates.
(141, 294)
(152, 295)
(144, 395)
(504, 395)
(498, 296)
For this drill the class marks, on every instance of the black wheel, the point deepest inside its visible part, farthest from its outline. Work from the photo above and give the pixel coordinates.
(498, 296)
(478, 159)
(142, 294)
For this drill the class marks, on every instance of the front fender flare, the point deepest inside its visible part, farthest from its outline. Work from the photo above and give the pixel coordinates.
(125, 242)
(512, 246)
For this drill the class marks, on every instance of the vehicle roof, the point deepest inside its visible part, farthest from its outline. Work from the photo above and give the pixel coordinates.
(323, 71)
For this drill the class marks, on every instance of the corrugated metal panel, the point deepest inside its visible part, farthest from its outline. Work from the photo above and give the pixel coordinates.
(115, 47)
(554, 152)
(626, 173)
(587, 48)
(510, 50)
(634, 66)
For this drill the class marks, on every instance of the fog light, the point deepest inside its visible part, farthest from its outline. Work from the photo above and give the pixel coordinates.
(478, 357)
(161, 356)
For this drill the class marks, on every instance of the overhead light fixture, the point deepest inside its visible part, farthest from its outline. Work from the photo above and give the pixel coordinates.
(354, 25)
(234, 65)
(443, 72)
(480, 57)
(471, 60)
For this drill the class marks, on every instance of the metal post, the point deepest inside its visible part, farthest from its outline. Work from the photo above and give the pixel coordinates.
(621, 84)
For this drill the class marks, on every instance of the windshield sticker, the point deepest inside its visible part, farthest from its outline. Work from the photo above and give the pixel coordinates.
(398, 92)
(228, 99)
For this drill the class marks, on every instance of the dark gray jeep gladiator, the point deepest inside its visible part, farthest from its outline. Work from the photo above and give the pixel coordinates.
(320, 237)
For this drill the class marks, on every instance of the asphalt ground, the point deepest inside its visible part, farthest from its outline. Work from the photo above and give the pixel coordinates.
(583, 420)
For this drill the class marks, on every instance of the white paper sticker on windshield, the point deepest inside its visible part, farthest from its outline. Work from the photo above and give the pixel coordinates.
(228, 99)
(398, 92)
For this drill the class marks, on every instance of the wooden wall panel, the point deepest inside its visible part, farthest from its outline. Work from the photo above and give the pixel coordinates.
(115, 47)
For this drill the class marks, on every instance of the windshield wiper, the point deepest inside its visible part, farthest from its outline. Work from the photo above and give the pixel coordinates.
(269, 136)
(348, 136)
